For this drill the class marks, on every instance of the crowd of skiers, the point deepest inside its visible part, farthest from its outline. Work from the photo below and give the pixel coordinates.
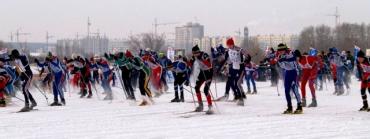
(150, 69)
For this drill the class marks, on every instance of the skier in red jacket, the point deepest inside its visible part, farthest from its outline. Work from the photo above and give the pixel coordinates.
(309, 65)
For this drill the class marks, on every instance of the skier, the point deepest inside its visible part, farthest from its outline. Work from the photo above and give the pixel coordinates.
(348, 68)
(234, 62)
(337, 66)
(57, 72)
(25, 73)
(271, 59)
(156, 72)
(180, 72)
(288, 62)
(95, 71)
(81, 69)
(164, 62)
(103, 65)
(309, 66)
(204, 77)
(144, 77)
(5, 78)
(250, 73)
(364, 63)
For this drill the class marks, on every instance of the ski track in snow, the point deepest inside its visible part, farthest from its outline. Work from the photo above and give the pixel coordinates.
(336, 117)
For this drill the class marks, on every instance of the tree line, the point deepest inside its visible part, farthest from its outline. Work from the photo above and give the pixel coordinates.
(344, 37)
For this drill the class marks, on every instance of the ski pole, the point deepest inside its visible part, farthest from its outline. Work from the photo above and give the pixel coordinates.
(47, 99)
(277, 88)
(192, 94)
(96, 91)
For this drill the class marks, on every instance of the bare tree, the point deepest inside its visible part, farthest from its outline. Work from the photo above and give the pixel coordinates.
(253, 49)
(323, 38)
(344, 37)
(147, 40)
(306, 39)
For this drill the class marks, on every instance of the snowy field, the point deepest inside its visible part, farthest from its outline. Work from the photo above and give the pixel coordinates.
(336, 117)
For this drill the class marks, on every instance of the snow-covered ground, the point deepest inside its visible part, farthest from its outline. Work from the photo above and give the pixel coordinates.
(336, 117)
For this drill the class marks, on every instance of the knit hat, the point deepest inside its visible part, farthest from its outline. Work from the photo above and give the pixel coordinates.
(230, 42)
(361, 54)
(333, 50)
(195, 49)
(128, 54)
(282, 46)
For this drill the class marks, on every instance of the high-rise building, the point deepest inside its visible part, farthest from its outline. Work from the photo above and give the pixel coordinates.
(186, 35)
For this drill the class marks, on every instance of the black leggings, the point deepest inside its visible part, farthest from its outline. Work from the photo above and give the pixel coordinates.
(127, 83)
(27, 78)
(143, 84)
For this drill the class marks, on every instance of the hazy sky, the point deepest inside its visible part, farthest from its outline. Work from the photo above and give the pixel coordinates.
(117, 18)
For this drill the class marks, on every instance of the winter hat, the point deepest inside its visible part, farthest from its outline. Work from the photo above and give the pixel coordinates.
(128, 54)
(15, 53)
(282, 46)
(195, 49)
(230, 42)
(361, 54)
(333, 50)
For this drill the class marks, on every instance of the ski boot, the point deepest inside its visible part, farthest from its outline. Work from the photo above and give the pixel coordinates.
(313, 103)
(182, 97)
(144, 103)
(223, 98)
(335, 90)
(33, 104)
(210, 110)
(2, 103)
(304, 104)
(240, 102)
(90, 95)
(108, 97)
(289, 110)
(175, 100)
(243, 95)
(254, 92)
(55, 103)
(83, 93)
(299, 109)
(365, 107)
(63, 101)
(199, 108)
(340, 91)
(26, 108)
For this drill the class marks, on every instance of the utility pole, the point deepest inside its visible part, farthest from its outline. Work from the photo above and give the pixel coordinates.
(98, 43)
(238, 32)
(47, 39)
(18, 33)
(336, 16)
(11, 36)
(88, 34)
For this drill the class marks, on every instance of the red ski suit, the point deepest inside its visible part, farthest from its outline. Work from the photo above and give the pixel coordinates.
(310, 67)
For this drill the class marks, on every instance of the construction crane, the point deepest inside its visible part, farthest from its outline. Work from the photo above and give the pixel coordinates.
(336, 16)
(11, 36)
(156, 24)
(18, 33)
